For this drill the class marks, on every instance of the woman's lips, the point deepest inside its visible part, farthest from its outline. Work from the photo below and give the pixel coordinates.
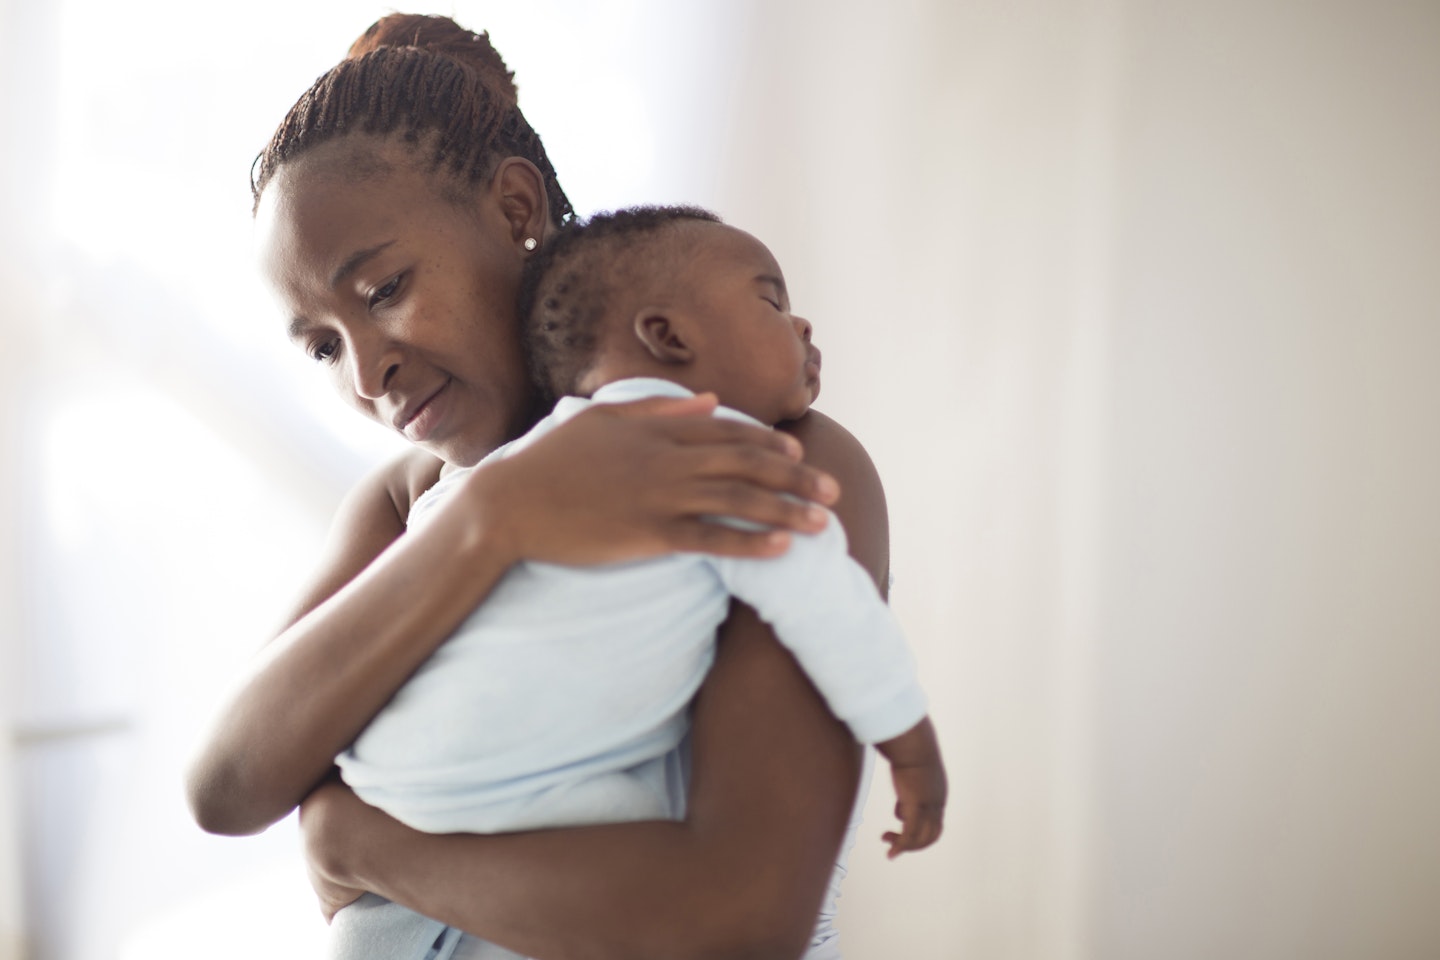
(426, 417)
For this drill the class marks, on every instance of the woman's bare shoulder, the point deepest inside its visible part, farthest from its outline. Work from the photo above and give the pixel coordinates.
(830, 446)
(408, 476)
(370, 518)
(862, 508)
(385, 495)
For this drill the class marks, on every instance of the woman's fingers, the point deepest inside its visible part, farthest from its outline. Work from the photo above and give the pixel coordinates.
(764, 468)
(333, 897)
(317, 813)
(687, 421)
(706, 536)
(621, 482)
(743, 501)
(710, 431)
(761, 467)
(700, 404)
(674, 447)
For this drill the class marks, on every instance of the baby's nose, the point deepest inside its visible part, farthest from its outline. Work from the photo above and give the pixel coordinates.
(802, 327)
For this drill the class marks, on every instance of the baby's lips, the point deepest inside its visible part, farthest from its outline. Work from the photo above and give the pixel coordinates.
(812, 372)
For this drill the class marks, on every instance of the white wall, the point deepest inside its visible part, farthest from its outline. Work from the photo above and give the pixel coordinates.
(16, 21)
(1270, 762)
(937, 182)
(1135, 305)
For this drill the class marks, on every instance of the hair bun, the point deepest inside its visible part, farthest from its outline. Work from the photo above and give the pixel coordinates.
(443, 36)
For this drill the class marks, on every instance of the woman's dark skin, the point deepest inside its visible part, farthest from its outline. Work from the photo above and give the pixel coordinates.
(774, 773)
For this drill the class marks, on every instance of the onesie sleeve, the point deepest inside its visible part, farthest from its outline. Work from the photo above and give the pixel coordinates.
(825, 609)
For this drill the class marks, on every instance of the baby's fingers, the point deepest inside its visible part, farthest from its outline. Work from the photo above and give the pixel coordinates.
(927, 829)
(920, 827)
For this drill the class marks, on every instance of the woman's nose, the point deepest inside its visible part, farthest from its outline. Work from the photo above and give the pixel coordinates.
(802, 327)
(374, 363)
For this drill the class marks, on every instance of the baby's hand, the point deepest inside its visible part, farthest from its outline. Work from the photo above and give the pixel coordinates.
(920, 787)
(920, 806)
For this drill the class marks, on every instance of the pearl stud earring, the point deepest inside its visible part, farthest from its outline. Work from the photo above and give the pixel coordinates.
(531, 243)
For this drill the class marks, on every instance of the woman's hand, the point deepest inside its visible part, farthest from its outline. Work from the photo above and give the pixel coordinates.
(321, 815)
(625, 481)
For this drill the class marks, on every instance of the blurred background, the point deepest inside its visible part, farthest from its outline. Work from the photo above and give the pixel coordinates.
(1133, 302)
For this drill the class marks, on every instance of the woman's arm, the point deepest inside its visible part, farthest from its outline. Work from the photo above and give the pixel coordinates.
(771, 792)
(614, 483)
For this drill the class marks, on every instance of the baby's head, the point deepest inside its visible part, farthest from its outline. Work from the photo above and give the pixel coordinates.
(667, 292)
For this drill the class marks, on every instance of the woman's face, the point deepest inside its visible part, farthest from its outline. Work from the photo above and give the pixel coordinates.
(405, 298)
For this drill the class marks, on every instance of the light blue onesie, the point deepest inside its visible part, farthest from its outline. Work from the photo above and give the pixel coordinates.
(562, 700)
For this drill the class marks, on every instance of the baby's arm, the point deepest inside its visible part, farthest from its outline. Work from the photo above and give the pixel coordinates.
(920, 787)
(826, 610)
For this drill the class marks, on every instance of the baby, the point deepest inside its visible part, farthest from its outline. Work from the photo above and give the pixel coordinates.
(562, 699)
(558, 700)
(673, 295)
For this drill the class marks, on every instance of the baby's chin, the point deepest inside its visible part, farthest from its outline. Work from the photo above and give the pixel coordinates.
(799, 410)
(811, 393)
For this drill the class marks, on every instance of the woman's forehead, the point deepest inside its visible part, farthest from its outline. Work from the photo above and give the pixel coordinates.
(358, 158)
(319, 207)
(360, 170)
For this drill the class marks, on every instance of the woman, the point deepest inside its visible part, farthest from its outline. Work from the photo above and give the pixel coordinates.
(397, 203)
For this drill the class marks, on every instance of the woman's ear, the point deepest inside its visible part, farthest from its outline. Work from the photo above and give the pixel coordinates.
(519, 188)
(663, 335)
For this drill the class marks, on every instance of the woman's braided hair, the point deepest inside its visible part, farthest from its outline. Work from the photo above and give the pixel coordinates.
(429, 80)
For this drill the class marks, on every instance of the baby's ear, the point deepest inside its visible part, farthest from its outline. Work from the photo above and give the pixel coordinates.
(663, 334)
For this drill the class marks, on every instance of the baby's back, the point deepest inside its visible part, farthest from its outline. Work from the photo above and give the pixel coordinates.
(547, 704)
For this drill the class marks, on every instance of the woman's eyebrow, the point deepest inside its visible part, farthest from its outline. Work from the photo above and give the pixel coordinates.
(354, 262)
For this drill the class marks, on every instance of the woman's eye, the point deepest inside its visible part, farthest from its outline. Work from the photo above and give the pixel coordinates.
(324, 351)
(385, 293)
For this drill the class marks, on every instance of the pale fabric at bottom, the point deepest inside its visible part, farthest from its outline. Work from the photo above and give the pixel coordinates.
(473, 948)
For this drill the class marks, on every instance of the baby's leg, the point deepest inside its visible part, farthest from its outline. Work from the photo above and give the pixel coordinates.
(373, 928)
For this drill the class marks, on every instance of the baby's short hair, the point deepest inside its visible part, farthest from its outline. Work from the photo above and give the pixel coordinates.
(570, 284)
